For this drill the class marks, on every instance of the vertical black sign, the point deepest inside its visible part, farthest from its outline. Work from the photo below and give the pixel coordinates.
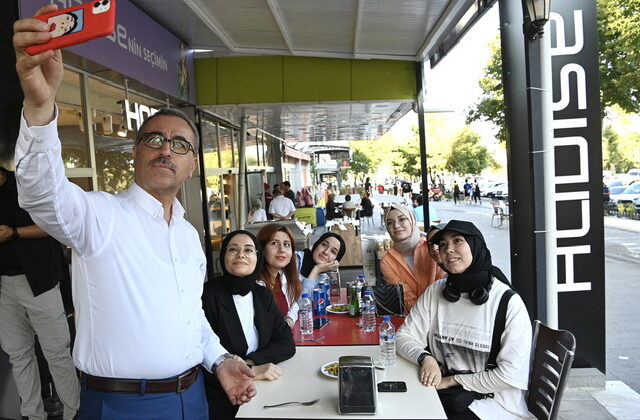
(578, 153)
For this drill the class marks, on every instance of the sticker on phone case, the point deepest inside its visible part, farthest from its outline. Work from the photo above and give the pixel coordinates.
(66, 23)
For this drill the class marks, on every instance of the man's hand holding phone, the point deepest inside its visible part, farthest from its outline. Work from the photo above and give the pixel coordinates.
(41, 74)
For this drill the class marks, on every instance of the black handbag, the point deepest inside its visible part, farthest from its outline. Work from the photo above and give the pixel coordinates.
(389, 299)
(456, 399)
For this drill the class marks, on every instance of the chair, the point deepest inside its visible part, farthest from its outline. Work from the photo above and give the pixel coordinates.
(348, 212)
(552, 354)
(498, 212)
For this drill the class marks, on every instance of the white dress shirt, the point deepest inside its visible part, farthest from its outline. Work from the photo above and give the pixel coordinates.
(246, 313)
(281, 205)
(137, 280)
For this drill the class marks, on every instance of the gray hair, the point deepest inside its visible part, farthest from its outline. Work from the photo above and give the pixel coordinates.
(172, 112)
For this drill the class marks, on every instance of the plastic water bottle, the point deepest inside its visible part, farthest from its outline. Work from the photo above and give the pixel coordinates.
(368, 318)
(361, 283)
(305, 315)
(387, 342)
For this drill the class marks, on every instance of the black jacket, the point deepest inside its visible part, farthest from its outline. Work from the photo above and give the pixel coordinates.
(41, 259)
(275, 341)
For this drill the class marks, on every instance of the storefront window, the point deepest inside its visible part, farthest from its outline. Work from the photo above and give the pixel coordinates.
(252, 149)
(226, 147)
(73, 133)
(268, 151)
(113, 143)
(210, 143)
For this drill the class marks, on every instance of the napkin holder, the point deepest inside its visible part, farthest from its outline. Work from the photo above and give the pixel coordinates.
(357, 385)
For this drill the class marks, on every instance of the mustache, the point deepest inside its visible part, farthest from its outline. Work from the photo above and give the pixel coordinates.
(163, 161)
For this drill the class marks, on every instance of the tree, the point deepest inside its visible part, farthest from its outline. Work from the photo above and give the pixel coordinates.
(409, 160)
(613, 158)
(619, 44)
(490, 107)
(360, 164)
(468, 156)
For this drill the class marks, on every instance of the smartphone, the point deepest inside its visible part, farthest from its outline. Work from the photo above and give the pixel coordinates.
(392, 386)
(77, 24)
(319, 323)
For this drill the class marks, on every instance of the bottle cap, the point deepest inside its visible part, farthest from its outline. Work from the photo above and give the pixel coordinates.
(305, 295)
(367, 292)
(386, 318)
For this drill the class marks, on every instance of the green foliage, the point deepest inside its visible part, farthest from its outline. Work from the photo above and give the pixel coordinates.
(468, 156)
(619, 45)
(360, 164)
(408, 162)
(613, 158)
(619, 42)
(490, 107)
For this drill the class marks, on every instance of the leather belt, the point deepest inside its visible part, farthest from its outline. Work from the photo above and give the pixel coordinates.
(135, 386)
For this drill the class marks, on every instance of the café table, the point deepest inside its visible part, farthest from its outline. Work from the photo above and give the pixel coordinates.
(302, 380)
(341, 330)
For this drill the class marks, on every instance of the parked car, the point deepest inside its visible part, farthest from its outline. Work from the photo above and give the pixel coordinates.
(629, 195)
(631, 176)
(499, 190)
(614, 194)
(636, 204)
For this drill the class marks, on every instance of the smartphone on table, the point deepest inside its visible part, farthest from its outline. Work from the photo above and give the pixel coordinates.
(392, 386)
(77, 24)
(319, 323)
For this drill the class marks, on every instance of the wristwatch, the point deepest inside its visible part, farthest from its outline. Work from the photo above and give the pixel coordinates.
(15, 235)
(422, 356)
(219, 361)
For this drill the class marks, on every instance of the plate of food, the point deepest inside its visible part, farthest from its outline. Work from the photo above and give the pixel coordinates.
(330, 369)
(338, 309)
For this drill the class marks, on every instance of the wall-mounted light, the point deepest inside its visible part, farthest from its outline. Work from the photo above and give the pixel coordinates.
(122, 131)
(536, 16)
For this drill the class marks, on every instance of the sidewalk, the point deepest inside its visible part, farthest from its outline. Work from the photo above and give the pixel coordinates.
(620, 223)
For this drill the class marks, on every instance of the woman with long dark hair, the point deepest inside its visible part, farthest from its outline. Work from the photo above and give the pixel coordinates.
(279, 273)
(449, 332)
(324, 255)
(245, 317)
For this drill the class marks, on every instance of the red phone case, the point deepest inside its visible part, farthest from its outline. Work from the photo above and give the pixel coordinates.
(77, 24)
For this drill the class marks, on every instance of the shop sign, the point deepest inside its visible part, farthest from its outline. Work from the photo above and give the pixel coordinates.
(134, 112)
(578, 177)
(139, 48)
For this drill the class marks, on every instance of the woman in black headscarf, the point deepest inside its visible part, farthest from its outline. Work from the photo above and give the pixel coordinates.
(245, 317)
(325, 255)
(449, 331)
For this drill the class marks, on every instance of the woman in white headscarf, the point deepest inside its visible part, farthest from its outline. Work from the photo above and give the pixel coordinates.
(408, 262)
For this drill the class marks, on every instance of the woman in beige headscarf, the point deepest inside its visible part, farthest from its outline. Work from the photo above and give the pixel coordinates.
(408, 262)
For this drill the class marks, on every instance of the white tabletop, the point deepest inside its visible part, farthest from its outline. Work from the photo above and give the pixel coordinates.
(303, 381)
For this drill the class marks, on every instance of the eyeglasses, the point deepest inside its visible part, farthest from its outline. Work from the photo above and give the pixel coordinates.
(248, 252)
(177, 144)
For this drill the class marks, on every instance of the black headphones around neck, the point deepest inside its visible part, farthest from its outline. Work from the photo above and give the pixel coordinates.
(477, 296)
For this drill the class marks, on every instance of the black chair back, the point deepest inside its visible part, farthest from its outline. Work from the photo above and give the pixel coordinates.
(551, 358)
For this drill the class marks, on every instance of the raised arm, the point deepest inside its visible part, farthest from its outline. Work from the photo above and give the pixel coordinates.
(61, 208)
(40, 75)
